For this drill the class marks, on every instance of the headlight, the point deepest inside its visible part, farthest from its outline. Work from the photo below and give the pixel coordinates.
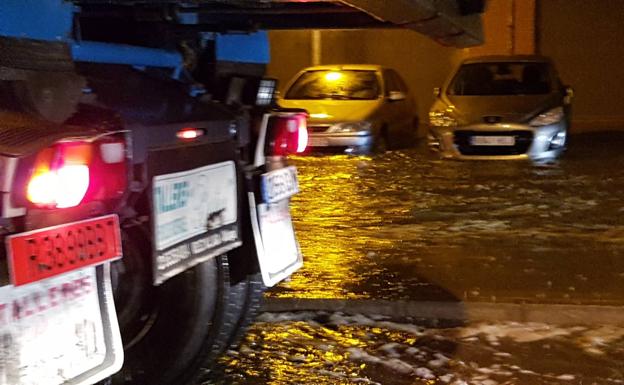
(350, 127)
(441, 119)
(558, 140)
(549, 117)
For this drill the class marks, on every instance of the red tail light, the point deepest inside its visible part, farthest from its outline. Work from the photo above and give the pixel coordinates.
(287, 134)
(70, 172)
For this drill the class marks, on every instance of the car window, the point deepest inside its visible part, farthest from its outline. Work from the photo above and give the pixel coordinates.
(340, 85)
(503, 78)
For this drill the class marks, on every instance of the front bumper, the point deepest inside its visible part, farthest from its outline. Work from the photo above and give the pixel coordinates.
(533, 143)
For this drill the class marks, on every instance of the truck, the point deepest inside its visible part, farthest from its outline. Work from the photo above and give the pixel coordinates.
(144, 179)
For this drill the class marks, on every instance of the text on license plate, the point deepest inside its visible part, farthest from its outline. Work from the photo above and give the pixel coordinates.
(493, 140)
(51, 331)
(279, 184)
(45, 253)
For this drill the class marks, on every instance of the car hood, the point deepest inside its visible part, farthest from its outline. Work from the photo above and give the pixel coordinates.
(510, 109)
(333, 111)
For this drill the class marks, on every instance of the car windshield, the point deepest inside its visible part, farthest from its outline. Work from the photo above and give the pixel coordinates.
(502, 78)
(339, 85)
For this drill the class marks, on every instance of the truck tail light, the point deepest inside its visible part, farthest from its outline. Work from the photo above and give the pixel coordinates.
(287, 134)
(70, 172)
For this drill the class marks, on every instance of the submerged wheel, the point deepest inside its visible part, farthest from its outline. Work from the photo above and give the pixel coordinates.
(174, 333)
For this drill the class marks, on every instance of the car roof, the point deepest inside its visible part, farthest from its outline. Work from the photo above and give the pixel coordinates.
(340, 67)
(507, 58)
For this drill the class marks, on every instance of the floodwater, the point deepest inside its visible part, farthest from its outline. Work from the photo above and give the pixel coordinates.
(407, 226)
(410, 226)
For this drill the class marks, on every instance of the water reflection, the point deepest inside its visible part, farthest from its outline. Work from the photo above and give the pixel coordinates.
(407, 225)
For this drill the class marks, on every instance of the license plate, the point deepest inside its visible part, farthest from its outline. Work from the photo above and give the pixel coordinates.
(493, 140)
(61, 330)
(195, 217)
(45, 253)
(279, 184)
(278, 251)
(317, 142)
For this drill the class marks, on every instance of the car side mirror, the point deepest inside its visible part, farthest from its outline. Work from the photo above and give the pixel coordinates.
(396, 96)
(437, 91)
(569, 95)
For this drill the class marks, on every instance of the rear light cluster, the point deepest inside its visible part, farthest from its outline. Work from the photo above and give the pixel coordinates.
(287, 133)
(71, 172)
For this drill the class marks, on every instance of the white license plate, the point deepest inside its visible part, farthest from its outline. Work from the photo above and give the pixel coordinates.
(190, 203)
(493, 141)
(56, 331)
(195, 217)
(317, 142)
(279, 184)
(278, 251)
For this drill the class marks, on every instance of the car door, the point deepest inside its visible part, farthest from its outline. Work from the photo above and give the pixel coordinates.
(407, 116)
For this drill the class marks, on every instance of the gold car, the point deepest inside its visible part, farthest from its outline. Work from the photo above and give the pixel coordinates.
(354, 108)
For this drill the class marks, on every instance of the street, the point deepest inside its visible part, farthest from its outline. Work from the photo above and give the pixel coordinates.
(407, 228)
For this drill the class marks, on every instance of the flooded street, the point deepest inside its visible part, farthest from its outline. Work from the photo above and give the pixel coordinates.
(408, 228)
(331, 349)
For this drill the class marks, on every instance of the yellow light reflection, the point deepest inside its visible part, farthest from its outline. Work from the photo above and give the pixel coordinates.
(333, 76)
(335, 252)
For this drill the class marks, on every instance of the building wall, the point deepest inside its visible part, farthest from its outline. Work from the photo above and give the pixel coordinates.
(423, 63)
(585, 38)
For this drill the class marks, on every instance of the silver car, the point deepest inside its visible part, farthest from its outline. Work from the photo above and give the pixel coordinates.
(355, 108)
(501, 107)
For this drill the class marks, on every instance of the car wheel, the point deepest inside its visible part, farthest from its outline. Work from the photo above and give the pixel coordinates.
(173, 333)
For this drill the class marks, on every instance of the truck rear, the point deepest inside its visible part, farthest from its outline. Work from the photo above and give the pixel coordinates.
(145, 192)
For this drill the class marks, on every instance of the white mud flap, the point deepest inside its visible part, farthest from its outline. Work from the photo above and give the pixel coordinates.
(279, 254)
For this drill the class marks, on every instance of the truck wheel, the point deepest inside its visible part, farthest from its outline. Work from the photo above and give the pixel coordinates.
(174, 332)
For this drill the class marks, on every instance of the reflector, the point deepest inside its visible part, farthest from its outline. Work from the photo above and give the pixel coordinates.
(189, 133)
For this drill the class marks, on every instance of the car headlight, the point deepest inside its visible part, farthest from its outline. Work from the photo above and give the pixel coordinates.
(441, 119)
(558, 140)
(549, 117)
(347, 127)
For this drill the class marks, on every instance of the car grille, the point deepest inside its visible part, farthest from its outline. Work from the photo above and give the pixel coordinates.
(523, 140)
(318, 127)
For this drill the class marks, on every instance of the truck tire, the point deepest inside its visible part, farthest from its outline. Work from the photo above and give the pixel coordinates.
(188, 321)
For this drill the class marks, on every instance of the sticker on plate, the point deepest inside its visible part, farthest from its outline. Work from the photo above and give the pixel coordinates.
(493, 140)
(279, 184)
(195, 217)
(51, 331)
(48, 252)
